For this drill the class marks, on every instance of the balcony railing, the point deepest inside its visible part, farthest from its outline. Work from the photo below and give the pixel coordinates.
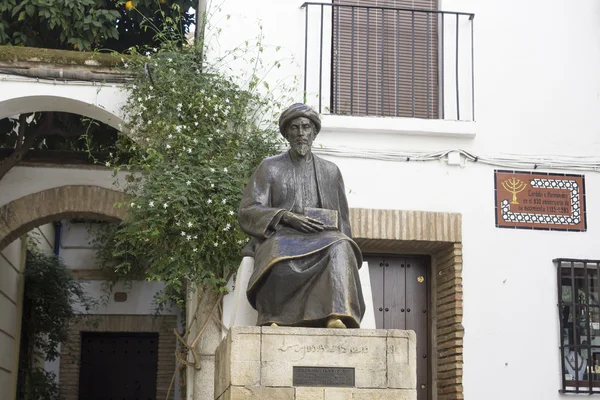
(386, 61)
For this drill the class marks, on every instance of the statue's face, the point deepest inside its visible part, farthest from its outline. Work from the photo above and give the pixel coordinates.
(300, 135)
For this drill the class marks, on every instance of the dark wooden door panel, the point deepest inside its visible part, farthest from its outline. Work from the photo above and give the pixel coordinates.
(118, 366)
(416, 317)
(395, 293)
(376, 274)
(400, 289)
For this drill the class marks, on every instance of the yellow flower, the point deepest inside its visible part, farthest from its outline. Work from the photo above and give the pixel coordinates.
(75, 46)
(129, 5)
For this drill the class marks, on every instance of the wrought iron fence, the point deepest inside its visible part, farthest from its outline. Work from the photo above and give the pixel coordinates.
(386, 61)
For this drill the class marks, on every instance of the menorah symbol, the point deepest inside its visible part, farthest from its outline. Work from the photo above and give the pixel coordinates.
(514, 186)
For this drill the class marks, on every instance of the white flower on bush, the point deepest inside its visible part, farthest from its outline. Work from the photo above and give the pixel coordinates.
(227, 227)
(165, 205)
(151, 204)
(224, 201)
(231, 212)
(182, 233)
(188, 183)
(189, 224)
(209, 201)
(216, 244)
(225, 170)
(168, 146)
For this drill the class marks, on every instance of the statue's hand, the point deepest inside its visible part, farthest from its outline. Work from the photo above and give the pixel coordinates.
(301, 223)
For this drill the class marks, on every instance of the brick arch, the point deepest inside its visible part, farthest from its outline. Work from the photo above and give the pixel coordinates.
(81, 201)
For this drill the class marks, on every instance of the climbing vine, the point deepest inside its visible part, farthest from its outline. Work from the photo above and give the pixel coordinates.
(53, 300)
(195, 132)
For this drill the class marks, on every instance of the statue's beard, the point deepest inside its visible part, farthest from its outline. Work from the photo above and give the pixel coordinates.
(302, 149)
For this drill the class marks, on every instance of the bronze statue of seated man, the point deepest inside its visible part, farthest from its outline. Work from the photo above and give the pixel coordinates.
(295, 208)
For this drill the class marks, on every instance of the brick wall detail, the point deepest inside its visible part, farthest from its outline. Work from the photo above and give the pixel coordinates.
(72, 201)
(438, 234)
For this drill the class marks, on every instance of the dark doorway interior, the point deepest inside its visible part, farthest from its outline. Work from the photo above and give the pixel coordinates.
(118, 366)
(400, 286)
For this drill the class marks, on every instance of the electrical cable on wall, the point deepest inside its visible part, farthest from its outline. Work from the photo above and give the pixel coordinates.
(514, 161)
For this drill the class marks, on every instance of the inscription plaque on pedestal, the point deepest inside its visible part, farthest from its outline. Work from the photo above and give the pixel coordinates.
(276, 363)
(323, 376)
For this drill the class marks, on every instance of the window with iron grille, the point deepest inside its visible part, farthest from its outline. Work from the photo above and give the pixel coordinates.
(579, 315)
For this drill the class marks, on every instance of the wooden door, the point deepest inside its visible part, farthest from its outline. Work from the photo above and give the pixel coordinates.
(400, 286)
(118, 366)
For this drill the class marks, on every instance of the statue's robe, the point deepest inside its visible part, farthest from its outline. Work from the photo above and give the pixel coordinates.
(300, 279)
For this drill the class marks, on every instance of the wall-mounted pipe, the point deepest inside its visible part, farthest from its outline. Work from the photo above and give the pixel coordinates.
(57, 228)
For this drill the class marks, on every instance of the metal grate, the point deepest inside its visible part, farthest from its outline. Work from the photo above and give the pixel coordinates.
(579, 316)
(384, 60)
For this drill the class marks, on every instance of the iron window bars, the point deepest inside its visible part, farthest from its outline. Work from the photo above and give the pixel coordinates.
(579, 316)
(389, 61)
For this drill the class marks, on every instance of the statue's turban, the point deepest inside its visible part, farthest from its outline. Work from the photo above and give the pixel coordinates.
(295, 111)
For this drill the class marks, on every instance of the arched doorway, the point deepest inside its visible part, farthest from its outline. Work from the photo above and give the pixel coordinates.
(17, 218)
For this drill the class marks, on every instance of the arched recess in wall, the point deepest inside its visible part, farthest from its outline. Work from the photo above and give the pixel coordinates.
(72, 201)
(85, 101)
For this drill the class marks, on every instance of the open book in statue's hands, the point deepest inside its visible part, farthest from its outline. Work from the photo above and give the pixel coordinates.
(329, 218)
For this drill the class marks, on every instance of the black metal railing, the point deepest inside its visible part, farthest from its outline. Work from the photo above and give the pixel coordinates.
(385, 61)
(579, 321)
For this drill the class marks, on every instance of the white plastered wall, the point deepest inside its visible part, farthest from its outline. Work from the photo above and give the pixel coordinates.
(100, 101)
(536, 95)
(10, 293)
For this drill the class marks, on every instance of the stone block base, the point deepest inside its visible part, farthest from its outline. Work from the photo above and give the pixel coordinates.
(258, 363)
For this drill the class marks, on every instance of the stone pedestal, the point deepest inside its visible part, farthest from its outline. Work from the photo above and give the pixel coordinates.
(258, 363)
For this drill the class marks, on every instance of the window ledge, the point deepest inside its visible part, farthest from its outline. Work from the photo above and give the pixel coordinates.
(399, 126)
